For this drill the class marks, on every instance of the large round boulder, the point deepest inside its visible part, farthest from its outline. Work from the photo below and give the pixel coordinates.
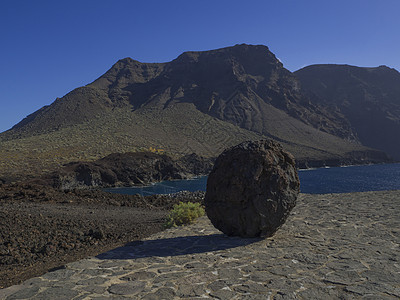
(251, 189)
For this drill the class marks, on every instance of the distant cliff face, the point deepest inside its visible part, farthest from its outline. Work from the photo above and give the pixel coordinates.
(369, 98)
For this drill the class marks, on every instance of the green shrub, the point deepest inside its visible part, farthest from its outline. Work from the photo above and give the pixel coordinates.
(183, 214)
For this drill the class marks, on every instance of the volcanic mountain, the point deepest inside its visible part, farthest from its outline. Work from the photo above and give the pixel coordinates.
(369, 99)
(201, 102)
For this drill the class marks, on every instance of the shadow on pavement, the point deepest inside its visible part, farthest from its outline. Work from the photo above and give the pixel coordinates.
(177, 246)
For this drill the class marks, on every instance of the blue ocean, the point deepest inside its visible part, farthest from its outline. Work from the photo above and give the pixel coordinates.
(313, 181)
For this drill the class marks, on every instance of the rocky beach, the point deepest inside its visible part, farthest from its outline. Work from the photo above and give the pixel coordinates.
(333, 246)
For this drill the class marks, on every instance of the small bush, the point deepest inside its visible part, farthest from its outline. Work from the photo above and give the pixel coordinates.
(183, 214)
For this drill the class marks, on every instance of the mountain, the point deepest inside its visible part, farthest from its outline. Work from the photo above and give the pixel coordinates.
(201, 102)
(243, 85)
(369, 98)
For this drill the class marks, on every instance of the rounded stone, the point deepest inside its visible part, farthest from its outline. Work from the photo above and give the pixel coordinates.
(252, 189)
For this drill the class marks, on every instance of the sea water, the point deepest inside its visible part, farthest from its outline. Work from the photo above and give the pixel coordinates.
(164, 187)
(350, 179)
(315, 181)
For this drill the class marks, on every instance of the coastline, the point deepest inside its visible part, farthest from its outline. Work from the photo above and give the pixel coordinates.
(343, 179)
(35, 207)
(333, 163)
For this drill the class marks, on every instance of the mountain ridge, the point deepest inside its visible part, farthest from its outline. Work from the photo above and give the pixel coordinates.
(249, 72)
(200, 102)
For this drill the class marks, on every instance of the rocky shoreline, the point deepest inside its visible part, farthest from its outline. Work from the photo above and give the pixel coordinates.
(43, 227)
(354, 158)
(126, 169)
(143, 168)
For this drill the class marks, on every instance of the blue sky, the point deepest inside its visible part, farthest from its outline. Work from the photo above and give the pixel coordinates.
(48, 48)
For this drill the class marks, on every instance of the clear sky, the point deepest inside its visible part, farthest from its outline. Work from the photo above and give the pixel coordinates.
(48, 48)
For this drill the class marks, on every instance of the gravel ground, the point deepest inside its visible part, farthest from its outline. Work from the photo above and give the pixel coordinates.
(42, 228)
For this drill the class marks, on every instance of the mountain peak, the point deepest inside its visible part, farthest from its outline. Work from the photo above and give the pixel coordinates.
(239, 50)
(127, 60)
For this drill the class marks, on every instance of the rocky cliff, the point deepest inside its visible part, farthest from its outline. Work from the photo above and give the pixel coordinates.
(369, 98)
(127, 169)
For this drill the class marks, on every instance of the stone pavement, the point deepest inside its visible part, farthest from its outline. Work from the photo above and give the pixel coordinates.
(336, 246)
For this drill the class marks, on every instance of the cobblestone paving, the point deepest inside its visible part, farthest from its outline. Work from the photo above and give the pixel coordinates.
(337, 246)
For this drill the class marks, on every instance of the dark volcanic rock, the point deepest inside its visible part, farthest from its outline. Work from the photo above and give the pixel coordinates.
(127, 169)
(195, 164)
(252, 189)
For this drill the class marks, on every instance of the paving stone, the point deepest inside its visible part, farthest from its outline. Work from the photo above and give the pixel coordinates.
(218, 285)
(169, 269)
(229, 273)
(141, 275)
(283, 284)
(185, 291)
(289, 296)
(165, 293)
(197, 278)
(58, 293)
(130, 288)
(96, 272)
(34, 281)
(84, 264)
(131, 265)
(24, 293)
(82, 296)
(378, 297)
(323, 292)
(161, 294)
(108, 298)
(170, 276)
(347, 265)
(361, 290)
(196, 265)
(255, 288)
(381, 275)
(262, 277)
(94, 289)
(343, 277)
(113, 264)
(92, 281)
(71, 284)
(254, 297)
(223, 294)
(62, 274)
